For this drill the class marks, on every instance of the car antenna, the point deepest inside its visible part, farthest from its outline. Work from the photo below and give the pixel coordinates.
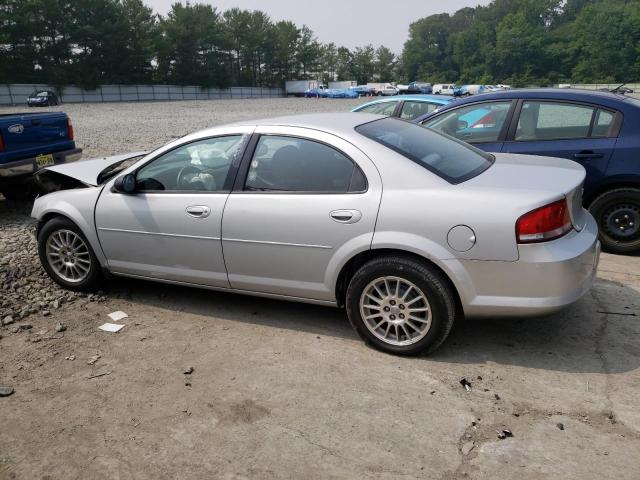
(618, 87)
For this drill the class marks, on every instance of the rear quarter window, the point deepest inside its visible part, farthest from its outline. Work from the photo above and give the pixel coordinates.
(449, 158)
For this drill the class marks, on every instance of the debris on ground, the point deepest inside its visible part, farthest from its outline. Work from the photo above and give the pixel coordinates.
(497, 396)
(117, 315)
(466, 384)
(188, 371)
(46, 313)
(70, 357)
(6, 391)
(93, 359)
(8, 320)
(25, 326)
(560, 425)
(111, 327)
(467, 447)
(98, 375)
(504, 433)
(60, 327)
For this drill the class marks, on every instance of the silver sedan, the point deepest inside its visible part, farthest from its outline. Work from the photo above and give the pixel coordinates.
(406, 228)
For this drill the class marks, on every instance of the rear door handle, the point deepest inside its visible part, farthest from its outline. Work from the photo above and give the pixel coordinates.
(588, 154)
(198, 211)
(346, 216)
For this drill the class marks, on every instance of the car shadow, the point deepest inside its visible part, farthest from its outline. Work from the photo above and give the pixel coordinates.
(582, 339)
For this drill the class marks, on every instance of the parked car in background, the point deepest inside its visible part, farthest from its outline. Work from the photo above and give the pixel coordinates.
(364, 90)
(419, 87)
(42, 98)
(317, 92)
(386, 89)
(406, 228)
(443, 89)
(28, 142)
(466, 90)
(407, 107)
(599, 130)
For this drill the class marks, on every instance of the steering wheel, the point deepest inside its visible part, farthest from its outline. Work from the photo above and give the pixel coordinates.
(184, 171)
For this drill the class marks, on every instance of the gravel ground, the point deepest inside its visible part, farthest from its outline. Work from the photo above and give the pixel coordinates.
(283, 390)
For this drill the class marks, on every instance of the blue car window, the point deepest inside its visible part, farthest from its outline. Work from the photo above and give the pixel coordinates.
(382, 108)
(553, 121)
(412, 110)
(480, 122)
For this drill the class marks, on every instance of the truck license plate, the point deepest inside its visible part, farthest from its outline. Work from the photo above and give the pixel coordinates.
(44, 160)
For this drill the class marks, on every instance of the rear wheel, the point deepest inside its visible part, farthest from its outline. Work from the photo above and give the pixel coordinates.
(618, 215)
(400, 305)
(67, 256)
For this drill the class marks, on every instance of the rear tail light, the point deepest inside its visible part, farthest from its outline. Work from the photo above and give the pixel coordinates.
(69, 129)
(544, 223)
(1, 143)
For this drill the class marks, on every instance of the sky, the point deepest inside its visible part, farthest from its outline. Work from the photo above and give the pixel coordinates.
(349, 23)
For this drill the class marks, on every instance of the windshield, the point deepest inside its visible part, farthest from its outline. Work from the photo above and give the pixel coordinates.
(447, 157)
(112, 170)
(42, 94)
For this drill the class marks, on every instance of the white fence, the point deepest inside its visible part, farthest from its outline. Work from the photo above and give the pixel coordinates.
(14, 94)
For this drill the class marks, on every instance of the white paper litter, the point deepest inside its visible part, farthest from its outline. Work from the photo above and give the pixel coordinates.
(117, 316)
(111, 327)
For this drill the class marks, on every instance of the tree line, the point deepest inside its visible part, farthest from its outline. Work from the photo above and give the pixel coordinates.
(520, 42)
(92, 42)
(523, 42)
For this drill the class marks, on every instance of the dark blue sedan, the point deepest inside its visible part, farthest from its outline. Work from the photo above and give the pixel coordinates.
(600, 130)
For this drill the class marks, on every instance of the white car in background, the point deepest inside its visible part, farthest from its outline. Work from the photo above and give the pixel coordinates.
(443, 88)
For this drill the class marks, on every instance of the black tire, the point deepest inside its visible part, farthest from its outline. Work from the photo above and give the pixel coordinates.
(618, 215)
(19, 192)
(94, 277)
(431, 283)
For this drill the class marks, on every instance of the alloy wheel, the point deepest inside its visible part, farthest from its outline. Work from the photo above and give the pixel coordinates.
(395, 310)
(68, 256)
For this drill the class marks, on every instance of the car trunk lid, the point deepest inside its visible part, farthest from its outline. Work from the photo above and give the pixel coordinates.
(540, 180)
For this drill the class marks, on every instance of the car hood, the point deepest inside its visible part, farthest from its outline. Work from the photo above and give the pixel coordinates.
(87, 171)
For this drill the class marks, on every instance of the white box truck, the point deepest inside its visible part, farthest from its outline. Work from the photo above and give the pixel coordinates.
(297, 88)
(343, 84)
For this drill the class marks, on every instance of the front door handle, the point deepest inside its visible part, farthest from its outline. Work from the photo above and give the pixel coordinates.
(198, 211)
(346, 216)
(588, 154)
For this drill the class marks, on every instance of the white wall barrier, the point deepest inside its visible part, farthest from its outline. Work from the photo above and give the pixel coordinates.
(16, 94)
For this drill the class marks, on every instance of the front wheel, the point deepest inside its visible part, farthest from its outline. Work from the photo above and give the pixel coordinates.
(400, 305)
(67, 257)
(618, 215)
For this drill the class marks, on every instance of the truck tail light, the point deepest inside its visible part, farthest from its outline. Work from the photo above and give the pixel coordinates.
(1, 143)
(544, 223)
(69, 129)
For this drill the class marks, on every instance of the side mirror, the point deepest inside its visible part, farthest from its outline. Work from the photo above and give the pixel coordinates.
(125, 184)
(462, 125)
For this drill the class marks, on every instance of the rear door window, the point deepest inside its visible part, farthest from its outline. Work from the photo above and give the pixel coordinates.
(602, 125)
(292, 164)
(553, 121)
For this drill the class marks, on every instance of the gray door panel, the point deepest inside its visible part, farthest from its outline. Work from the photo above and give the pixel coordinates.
(157, 235)
(294, 243)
